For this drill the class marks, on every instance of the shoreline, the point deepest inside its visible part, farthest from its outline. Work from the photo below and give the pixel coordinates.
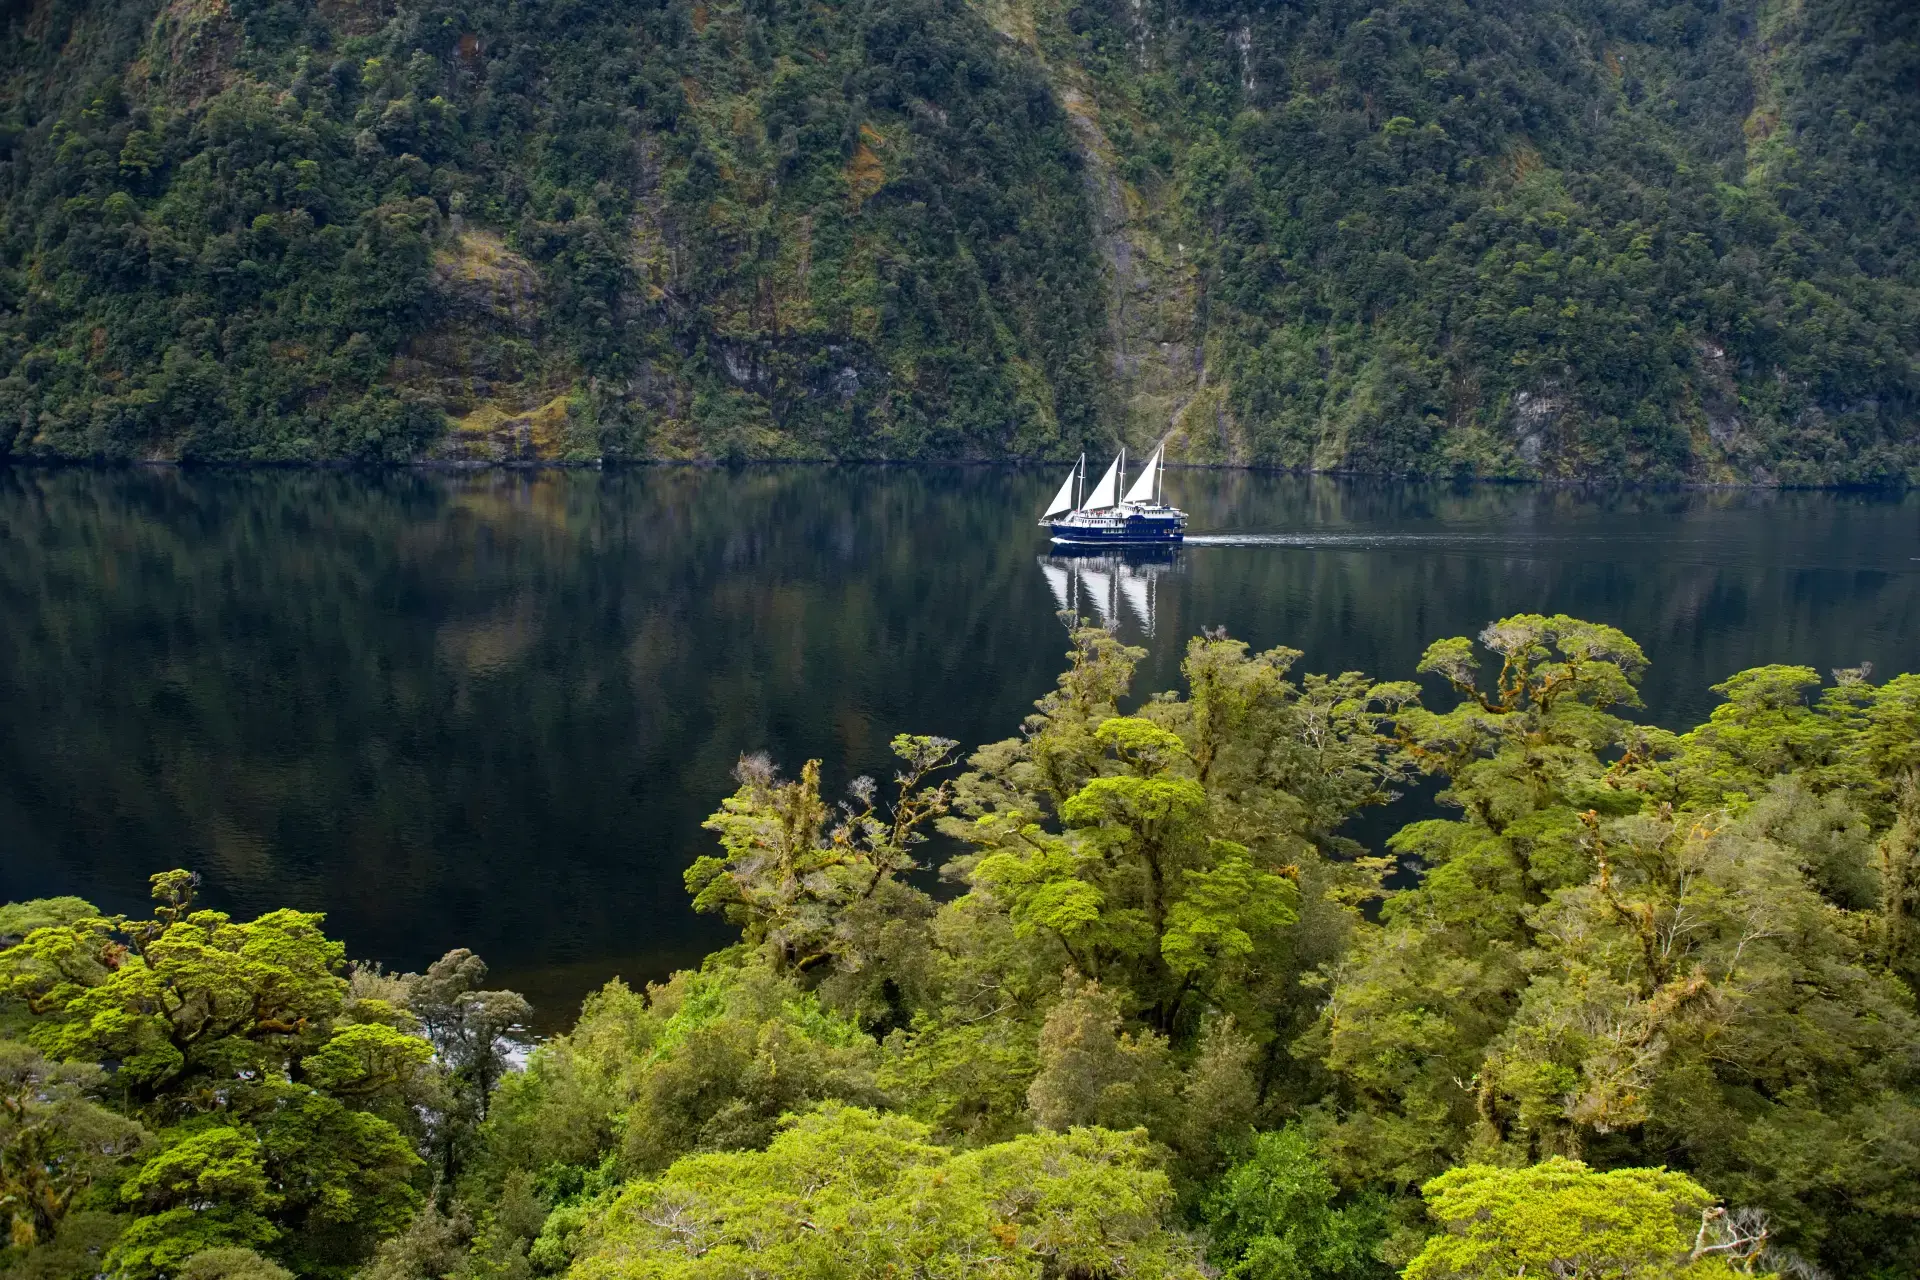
(430, 465)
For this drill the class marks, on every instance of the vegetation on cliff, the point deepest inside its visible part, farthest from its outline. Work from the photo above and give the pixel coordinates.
(1580, 237)
(1645, 1007)
(1566, 238)
(283, 231)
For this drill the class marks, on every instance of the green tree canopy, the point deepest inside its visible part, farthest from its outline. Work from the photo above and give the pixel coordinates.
(844, 1192)
(1641, 1006)
(1561, 1218)
(250, 1110)
(1635, 946)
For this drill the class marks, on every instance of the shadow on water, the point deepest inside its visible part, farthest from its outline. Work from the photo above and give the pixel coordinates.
(492, 709)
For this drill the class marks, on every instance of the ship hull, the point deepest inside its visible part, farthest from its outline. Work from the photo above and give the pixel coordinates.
(1132, 529)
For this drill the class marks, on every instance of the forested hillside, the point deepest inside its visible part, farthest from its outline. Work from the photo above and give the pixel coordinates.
(1562, 238)
(1641, 1005)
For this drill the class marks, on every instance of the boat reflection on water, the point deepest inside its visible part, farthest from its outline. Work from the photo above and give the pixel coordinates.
(1109, 586)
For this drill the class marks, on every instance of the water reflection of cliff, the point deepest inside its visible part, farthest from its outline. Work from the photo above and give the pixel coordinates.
(484, 709)
(493, 709)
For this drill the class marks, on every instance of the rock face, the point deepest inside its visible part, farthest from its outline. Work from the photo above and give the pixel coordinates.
(1536, 415)
(1152, 290)
(1729, 451)
(481, 278)
(1155, 365)
(492, 434)
(505, 401)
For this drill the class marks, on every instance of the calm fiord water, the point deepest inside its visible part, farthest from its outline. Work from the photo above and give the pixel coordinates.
(492, 709)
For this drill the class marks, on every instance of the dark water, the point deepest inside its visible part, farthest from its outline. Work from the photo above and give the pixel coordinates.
(491, 710)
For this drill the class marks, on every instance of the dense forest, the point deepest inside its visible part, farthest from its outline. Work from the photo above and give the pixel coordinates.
(1556, 238)
(1640, 1005)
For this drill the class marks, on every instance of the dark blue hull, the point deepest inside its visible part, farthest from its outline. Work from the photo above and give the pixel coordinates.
(1131, 531)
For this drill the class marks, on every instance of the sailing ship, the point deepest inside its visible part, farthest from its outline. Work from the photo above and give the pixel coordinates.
(1106, 518)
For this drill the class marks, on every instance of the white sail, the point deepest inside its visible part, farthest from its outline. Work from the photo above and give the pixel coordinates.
(1100, 591)
(1058, 579)
(1135, 590)
(1144, 488)
(1063, 500)
(1106, 492)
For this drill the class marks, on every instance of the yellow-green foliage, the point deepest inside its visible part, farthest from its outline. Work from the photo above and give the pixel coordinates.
(211, 1025)
(1642, 1006)
(847, 1192)
(1638, 946)
(1561, 1218)
(705, 1061)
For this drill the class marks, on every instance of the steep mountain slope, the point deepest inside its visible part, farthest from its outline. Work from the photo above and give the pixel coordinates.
(287, 230)
(1571, 237)
(1552, 237)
